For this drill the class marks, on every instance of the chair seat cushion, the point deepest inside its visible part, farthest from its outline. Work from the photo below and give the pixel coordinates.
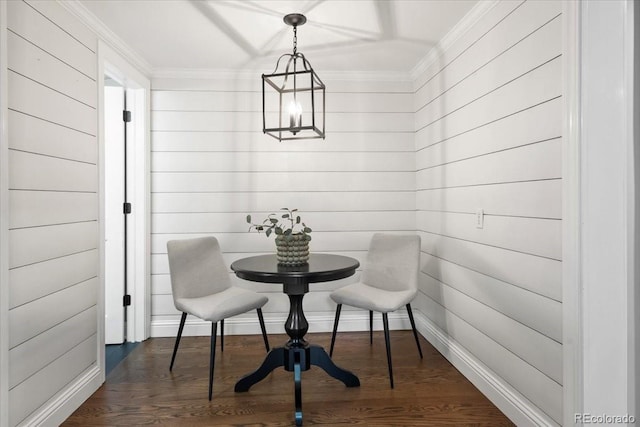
(215, 307)
(367, 297)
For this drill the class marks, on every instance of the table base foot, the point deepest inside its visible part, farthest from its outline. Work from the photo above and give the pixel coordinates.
(319, 357)
(297, 359)
(297, 379)
(274, 359)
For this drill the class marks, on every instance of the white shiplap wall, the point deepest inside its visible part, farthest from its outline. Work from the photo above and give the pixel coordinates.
(488, 136)
(53, 205)
(211, 165)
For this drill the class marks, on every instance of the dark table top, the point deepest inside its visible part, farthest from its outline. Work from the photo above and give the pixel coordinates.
(320, 268)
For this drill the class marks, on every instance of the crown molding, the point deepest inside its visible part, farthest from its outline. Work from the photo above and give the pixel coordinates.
(203, 73)
(469, 20)
(108, 36)
(378, 76)
(253, 73)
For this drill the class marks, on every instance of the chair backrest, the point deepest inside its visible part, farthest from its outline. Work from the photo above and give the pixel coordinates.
(393, 262)
(197, 268)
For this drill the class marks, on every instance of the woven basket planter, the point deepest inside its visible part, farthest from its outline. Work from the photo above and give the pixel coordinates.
(293, 249)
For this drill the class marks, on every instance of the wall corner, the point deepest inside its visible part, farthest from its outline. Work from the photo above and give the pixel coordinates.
(4, 224)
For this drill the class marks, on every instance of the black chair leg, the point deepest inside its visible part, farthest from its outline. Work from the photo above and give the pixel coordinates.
(371, 327)
(385, 322)
(264, 330)
(413, 326)
(213, 356)
(175, 347)
(335, 329)
(222, 336)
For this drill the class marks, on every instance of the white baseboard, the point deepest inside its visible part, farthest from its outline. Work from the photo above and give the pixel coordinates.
(58, 409)
(515, 406)
(318, 322)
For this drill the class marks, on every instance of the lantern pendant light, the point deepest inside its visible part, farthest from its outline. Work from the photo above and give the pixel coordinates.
(297, 92)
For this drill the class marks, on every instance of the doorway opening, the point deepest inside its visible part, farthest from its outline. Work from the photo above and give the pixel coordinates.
(124, 138)
(115, 241)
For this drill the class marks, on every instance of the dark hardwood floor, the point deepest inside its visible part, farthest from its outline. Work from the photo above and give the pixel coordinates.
(428, 392)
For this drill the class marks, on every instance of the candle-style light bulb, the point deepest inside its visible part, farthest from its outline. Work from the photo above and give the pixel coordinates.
(295, 116)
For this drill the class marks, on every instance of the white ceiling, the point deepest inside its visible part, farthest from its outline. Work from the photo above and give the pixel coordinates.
(340, 35)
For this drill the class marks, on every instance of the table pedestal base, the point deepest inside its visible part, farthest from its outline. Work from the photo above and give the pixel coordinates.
(297, 359)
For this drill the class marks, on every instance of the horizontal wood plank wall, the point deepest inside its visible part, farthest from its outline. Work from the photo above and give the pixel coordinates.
(488, 136)
(211, 165)
(53, 204)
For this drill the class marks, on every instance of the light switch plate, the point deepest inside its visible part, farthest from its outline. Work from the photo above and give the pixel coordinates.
(479, 218)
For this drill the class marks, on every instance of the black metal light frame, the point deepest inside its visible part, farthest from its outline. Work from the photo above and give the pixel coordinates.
(295, 82)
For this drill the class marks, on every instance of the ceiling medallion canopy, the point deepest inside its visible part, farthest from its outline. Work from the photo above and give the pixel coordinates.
(293, 99)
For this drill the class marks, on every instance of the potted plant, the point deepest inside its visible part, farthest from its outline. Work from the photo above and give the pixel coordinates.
(292, 235)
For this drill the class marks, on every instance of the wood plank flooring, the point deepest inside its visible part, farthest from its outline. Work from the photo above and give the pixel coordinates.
(428, 392)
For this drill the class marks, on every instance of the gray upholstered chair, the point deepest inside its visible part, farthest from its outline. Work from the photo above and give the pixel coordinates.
(202, 287)
(388, 282)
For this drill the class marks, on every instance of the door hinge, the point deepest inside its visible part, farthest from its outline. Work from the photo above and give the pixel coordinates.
(126, 116)
(126, 208)
(126, 300)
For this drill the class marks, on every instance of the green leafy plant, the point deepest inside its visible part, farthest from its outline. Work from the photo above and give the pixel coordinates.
(285, 224)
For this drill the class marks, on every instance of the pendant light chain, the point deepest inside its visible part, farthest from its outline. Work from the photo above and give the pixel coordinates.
(295, 39)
